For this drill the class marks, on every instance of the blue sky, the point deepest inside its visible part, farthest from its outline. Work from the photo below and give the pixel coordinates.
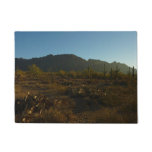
(105, 46)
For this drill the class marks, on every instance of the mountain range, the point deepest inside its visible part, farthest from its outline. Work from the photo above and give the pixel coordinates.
(68, 62)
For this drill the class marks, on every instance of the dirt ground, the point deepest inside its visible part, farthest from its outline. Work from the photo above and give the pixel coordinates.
(74, 100)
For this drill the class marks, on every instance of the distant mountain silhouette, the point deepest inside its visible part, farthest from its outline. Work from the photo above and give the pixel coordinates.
(68, 62)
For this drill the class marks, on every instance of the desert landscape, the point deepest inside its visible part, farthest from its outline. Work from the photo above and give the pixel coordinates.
(75, 77)
(75, 97)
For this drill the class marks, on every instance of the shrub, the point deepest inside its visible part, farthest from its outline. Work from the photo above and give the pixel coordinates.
(19, 74)
(72, 74)
(35, 71)
(62, 73)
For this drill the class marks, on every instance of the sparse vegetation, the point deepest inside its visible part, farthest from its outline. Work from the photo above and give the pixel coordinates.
(75, 97)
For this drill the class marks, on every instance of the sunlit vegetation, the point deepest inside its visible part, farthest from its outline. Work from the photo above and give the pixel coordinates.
(75, 97)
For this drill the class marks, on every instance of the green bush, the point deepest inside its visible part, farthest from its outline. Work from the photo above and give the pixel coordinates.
(35, 71)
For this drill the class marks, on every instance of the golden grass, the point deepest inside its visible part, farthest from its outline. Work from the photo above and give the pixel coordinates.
(80, 100)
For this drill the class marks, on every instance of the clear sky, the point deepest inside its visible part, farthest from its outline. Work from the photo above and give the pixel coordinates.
(105, 46)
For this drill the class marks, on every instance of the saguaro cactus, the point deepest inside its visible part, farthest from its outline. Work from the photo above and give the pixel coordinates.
(116, 71)
(104, 71)
(89, 72)
(133, 72)
(111, 73)
(129, 72)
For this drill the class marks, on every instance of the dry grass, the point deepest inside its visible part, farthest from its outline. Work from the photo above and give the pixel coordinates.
(76, 100)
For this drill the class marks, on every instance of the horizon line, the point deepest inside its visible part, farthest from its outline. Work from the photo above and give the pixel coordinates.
(74, 55)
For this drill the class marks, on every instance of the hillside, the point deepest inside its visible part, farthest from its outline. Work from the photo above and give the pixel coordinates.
(67, 62)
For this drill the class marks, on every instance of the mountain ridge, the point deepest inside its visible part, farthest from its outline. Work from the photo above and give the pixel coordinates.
(68, 62)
